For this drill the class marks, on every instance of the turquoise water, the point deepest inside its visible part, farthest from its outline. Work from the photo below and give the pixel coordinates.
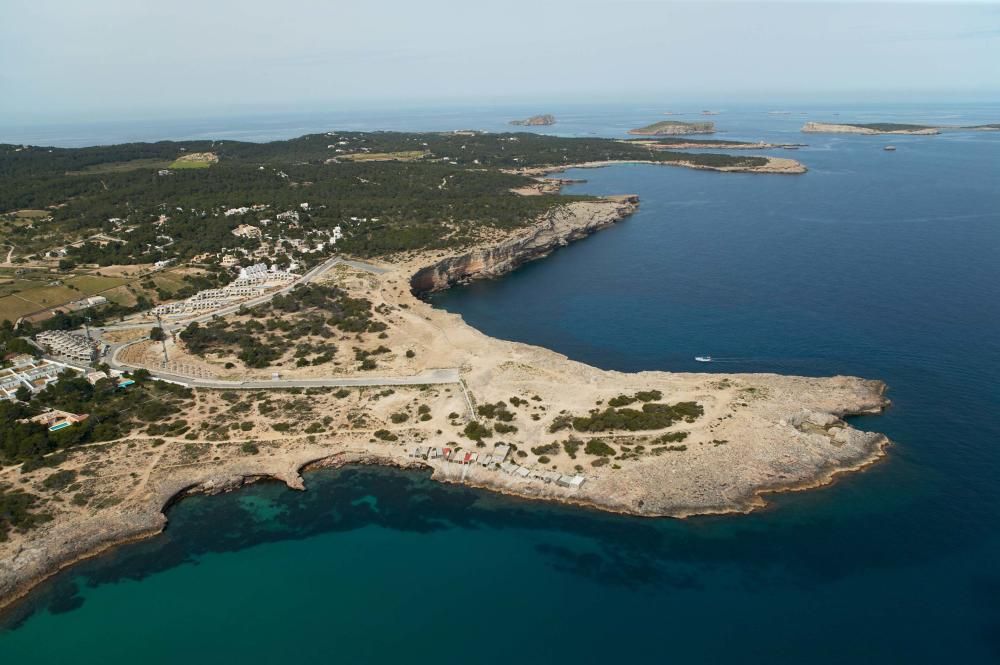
(878, 264)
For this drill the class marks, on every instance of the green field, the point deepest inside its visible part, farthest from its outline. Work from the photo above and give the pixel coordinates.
(189, 164)
(12, 307)
(91, 284)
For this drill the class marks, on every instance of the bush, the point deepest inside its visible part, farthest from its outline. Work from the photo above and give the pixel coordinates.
(386, 435)
(598, 447)
(502, 428)
(547, 449)
(249, 448)
(399, 417)
(652, 416)
(59, 480)
(560, 423)
(477, 431)
(571, 446)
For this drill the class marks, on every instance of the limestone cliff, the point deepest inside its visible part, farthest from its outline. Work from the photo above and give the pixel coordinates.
(559, 227)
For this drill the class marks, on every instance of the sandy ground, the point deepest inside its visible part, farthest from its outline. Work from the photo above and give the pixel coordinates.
(759, 432)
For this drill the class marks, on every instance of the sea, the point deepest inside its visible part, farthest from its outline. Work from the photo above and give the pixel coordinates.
(875, 263)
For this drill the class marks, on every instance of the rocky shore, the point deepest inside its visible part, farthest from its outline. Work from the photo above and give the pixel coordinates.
(759, 433)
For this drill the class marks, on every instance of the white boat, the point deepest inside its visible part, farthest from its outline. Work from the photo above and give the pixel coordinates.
(890, 148)
(703, 359)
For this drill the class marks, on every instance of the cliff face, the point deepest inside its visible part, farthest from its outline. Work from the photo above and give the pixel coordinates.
(559, 227)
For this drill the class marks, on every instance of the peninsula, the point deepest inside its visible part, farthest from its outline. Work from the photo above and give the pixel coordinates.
(212, 370)
(668, 127)
(536, 121)
(869, 128)
(717, 144)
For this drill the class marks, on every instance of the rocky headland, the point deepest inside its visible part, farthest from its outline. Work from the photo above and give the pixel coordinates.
(755, 434)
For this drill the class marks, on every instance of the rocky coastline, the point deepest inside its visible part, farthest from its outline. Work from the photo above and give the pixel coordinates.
(792, 427)
(555, 229)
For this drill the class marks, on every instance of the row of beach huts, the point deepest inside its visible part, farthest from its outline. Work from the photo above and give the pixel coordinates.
(497, 460)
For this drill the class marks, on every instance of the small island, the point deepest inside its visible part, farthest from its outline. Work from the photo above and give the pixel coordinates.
(536, 121)
(674, 127)
(869, 128)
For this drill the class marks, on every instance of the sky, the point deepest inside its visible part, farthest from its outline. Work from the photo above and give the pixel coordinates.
(69, 59)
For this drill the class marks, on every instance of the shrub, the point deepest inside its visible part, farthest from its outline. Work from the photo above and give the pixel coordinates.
(59, 480)
(560, 423)
(547, 449)
(652, 416)
(386, 435)
(598, 447)
(477, 431)
(249, 448)
(399, 417)
(571, 446)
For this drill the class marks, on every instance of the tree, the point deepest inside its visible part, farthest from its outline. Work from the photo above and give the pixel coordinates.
(156, 334)
(23, 393)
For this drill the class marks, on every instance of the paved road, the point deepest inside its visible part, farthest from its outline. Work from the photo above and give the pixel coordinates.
(431, 376)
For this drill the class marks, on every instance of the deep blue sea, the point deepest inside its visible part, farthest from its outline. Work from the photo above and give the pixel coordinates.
(879, 264)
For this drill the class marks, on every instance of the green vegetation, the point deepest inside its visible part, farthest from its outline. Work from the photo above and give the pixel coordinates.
(641, 396)
(547, 449)
(477, 431)
(675, 127)
(497, 410)
(17, 512)
(598, 447)
(671, 437)
(310, 310)
(386, 435)
(59, 480)
(652, 416)
(113, 414)
(440, 200)
(571, 446)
